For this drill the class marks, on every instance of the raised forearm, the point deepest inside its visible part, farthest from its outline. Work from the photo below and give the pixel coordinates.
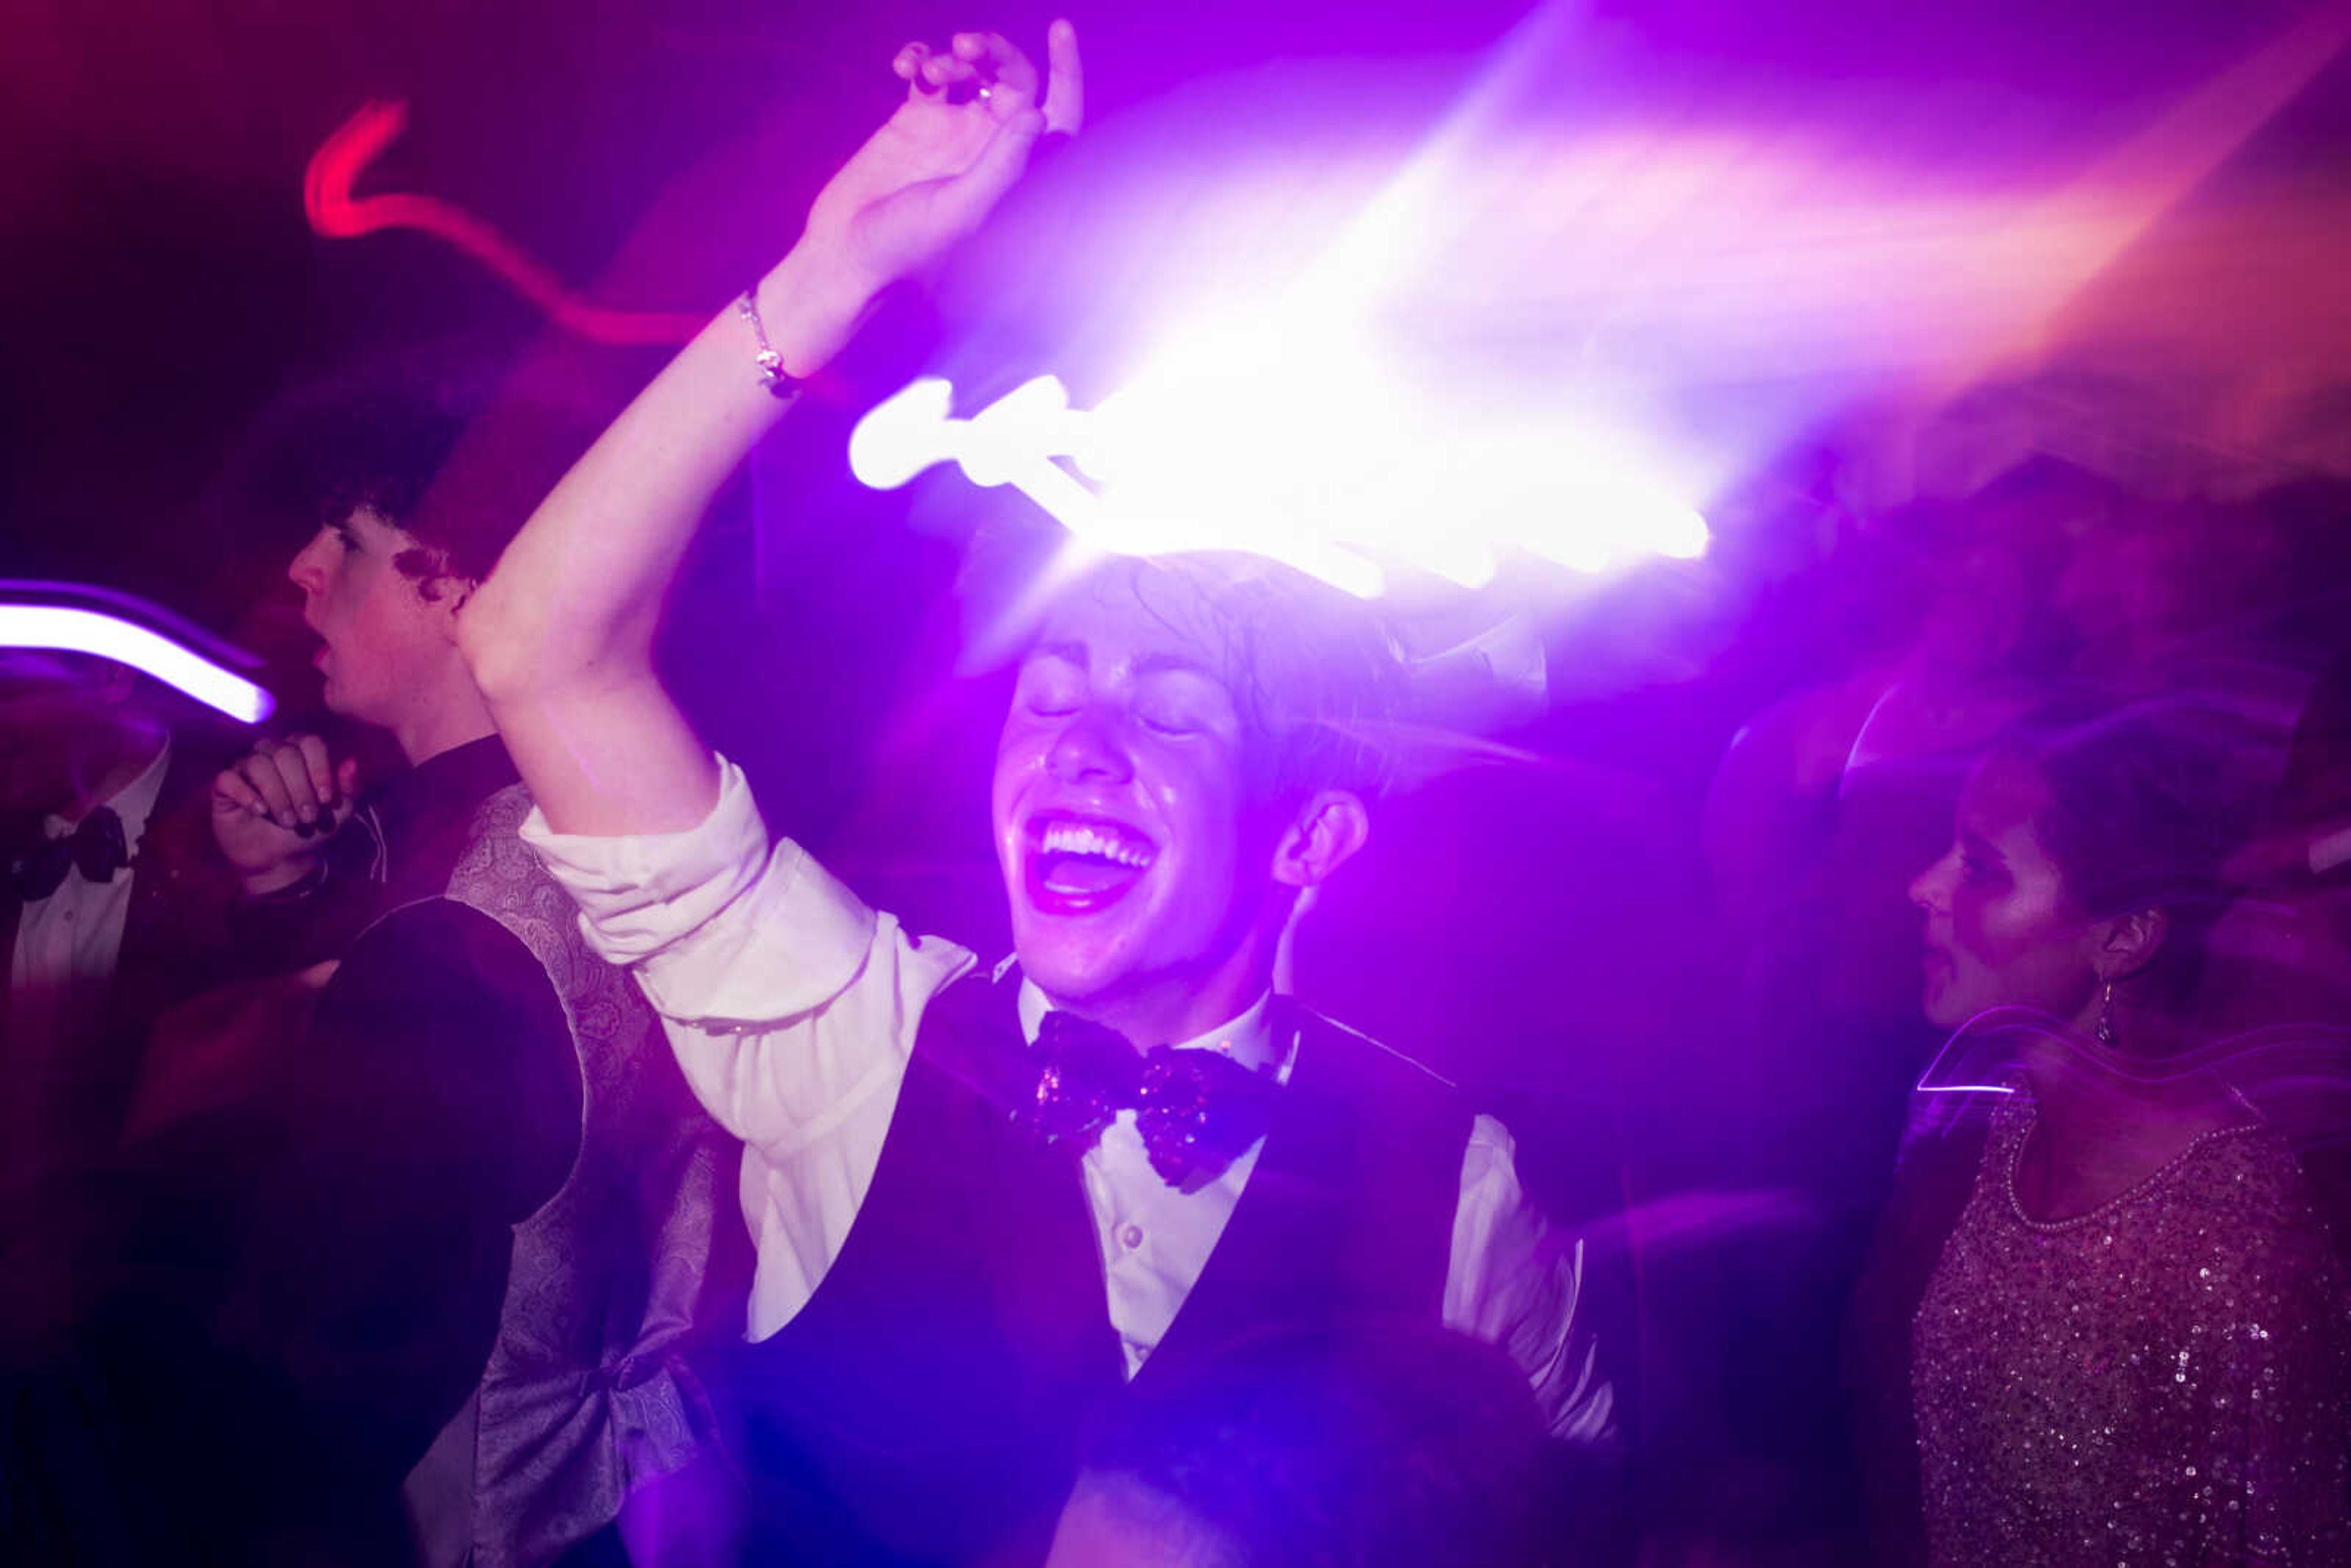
(576, 599)
(560, 637)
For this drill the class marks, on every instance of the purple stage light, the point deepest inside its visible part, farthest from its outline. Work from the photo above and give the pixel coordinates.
(42, 621)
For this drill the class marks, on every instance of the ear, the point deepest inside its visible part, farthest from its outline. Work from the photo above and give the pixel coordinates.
(1323, 836)
(438, 584)
(446, 594)
(450, 592)
(2125, 944)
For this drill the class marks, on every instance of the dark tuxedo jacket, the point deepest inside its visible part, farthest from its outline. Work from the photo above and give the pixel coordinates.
(62, 1103)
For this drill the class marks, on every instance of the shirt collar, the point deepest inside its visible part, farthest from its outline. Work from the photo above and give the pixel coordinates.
(135, 802)
(1248, 1039)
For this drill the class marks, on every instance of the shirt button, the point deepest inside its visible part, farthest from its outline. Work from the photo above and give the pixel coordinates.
(1129, 1235)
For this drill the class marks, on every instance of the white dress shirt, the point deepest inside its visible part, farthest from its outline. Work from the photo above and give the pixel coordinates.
(793, 1009)
(68, 944)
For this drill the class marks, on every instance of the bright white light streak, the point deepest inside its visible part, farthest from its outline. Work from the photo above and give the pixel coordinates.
(69, 629)
(903, 434)
(1308, 451)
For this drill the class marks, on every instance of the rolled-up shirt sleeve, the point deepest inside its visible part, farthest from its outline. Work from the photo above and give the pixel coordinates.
(1516, 1281)
(791, 1008)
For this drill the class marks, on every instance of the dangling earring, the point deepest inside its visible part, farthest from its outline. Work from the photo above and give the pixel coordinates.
(2106, 1018)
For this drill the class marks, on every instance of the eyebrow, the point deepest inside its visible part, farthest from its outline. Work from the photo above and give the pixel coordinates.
(1175, 664)
(1076, 654)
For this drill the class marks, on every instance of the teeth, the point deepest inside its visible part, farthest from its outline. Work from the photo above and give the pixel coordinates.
(1078, 838)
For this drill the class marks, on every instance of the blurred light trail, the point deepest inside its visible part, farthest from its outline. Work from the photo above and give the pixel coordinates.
(1734, 245)
(2114, 204)
(336, 214)
(38, 621)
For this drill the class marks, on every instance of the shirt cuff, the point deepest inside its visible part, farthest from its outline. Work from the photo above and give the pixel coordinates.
(719, 929)
(640, 891)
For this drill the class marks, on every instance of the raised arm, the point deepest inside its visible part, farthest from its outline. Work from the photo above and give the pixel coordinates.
(560, 636)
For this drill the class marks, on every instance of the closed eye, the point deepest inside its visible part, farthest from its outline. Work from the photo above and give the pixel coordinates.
(1050, 689)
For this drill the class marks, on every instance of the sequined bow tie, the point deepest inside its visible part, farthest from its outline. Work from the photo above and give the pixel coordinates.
(97, 848)
(1198, 1111)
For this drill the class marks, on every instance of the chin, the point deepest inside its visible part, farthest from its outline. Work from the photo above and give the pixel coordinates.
(1937, 1006)
(1066, 966)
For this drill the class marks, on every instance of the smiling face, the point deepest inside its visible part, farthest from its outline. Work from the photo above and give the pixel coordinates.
(1139, 863)
(385, 647)
(2003, 930)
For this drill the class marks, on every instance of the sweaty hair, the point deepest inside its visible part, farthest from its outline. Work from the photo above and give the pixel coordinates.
(1314, 672)
(2147, 803)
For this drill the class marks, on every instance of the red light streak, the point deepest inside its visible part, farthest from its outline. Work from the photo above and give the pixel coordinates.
(336, 212)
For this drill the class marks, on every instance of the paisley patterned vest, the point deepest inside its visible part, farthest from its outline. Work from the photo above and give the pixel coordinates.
(586, 1395)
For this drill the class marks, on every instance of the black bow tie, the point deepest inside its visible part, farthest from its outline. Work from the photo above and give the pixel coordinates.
(97, 847)
(1198, 1110)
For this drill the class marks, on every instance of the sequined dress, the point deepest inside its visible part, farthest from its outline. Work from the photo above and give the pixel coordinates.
(2161, 1381)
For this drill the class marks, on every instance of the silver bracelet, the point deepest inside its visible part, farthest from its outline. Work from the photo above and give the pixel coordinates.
(780, 384)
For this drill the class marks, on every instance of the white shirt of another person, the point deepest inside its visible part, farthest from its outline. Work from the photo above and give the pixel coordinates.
(68, 944)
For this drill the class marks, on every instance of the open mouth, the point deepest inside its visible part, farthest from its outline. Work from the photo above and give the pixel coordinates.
(1078, 864)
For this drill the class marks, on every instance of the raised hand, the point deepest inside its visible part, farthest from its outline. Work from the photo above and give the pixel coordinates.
(972, 117)
(273, 809)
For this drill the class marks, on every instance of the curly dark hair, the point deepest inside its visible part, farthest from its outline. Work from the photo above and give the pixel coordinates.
(374, 437)
(456, 446)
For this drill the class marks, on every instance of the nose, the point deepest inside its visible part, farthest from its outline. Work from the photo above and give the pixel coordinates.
(1089, 750)
(1930, 889)
(304, 570)
(307, 570)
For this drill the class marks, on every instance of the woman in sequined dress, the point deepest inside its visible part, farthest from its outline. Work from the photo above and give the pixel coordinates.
(2120, 1318)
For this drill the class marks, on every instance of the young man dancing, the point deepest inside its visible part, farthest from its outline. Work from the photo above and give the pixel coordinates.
(980, 1211)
